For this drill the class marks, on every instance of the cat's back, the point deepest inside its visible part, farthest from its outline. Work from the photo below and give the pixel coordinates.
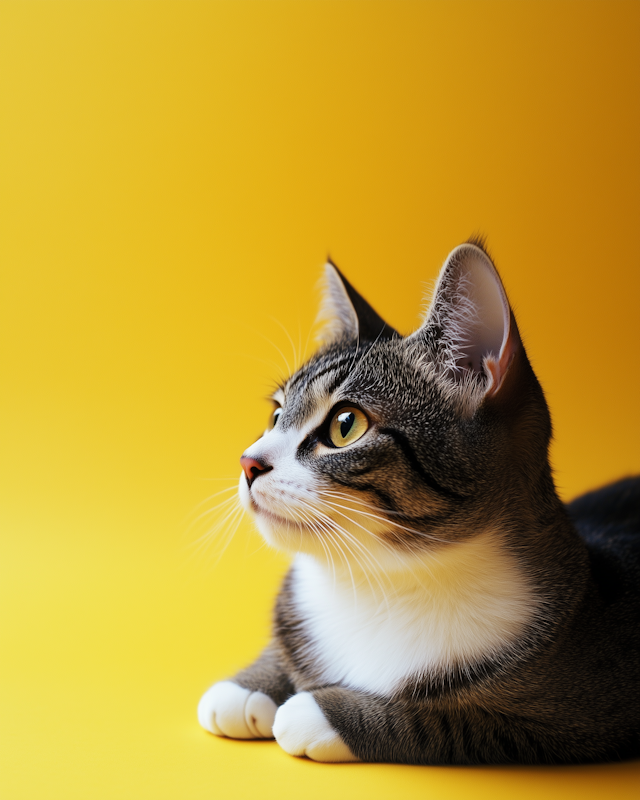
(608, 520)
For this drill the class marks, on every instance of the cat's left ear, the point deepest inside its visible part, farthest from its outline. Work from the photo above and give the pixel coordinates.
(345, 314)
(469, 327)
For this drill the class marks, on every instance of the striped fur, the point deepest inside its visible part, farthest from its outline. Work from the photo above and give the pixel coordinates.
(443, 606)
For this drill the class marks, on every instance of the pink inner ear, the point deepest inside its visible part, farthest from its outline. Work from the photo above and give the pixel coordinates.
(497, 367)
(477, 332)
(481, 315)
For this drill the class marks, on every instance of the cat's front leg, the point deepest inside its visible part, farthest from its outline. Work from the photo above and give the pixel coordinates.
(302, 729)
(245, 706)
(339, 724)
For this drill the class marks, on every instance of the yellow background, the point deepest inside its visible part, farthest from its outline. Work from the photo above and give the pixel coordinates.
(172, 178)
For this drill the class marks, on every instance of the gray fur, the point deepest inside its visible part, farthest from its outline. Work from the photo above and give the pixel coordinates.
(448, 459)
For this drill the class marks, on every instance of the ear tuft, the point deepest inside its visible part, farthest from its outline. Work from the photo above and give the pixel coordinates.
(480, 241)
(345, 314)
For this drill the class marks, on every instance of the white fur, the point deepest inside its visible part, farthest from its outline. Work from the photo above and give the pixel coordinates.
(227, 709)
(375, 615)
(301, 729)
(293, 513)
(465, 603)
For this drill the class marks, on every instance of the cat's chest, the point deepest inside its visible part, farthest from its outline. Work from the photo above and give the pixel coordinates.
(373, 641)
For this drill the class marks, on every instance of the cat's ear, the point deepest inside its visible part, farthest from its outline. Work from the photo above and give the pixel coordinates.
(469, 329)
(345, 314)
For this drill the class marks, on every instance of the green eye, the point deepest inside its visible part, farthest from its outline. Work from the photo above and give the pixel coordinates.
(347, 426)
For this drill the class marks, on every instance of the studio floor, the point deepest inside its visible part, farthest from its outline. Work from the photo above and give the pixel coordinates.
(100, 687)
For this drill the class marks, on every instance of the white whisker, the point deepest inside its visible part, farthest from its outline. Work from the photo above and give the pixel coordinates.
(216, 494)
(373, 566)
(219, 531)
(291, 342)
(282, 355)
(377, 517)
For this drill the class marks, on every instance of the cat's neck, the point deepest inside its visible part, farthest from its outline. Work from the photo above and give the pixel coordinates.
(481, 566)
(466, 603)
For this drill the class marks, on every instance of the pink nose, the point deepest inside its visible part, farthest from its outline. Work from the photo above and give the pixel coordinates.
(253, 468)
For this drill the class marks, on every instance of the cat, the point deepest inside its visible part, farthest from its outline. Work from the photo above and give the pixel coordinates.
(443, 606)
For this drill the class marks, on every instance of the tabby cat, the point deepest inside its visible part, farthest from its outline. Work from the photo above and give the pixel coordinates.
(443, 606)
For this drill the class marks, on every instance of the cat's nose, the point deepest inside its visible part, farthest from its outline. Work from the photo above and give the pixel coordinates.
(253, 468)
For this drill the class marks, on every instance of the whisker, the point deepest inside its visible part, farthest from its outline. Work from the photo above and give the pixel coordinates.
(291, 342)
(282, 355)
(269, 362)
(379, 518)
(346, 496)
(230, 478)
(225, 513)
(306, 344)
(222, 521)
(366, 352)
(227, 527)
(325, 526)
(213, 510)
(316, 527)
(216, 494)
(332, 527)
(355, 355)
(387, 545)
(390, 548)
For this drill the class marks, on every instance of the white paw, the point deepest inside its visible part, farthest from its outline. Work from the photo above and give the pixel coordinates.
(227, 709)
(301, 729)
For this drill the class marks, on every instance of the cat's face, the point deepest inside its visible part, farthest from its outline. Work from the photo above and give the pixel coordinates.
(379, 448)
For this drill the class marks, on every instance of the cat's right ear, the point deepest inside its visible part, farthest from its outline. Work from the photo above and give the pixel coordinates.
(345, 315)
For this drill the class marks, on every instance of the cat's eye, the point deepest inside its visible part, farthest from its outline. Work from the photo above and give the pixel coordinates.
(347, 426)
(273, 421)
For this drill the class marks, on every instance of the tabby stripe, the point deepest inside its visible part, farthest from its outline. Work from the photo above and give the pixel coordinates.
(357, 473)
(410, 454)
(532, 745)
(337, 382)
(447, 741)
(506, 742)
(355, 361)
(468, 740)
(424, 519)
(335, 366)
(387, 501)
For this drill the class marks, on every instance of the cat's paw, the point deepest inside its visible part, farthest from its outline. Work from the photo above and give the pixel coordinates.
(301, 729)
(227, 709)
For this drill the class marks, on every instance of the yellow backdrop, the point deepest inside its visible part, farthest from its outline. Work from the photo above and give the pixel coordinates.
(172, 177)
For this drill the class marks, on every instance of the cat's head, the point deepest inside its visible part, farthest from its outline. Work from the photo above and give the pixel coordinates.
(382, 448)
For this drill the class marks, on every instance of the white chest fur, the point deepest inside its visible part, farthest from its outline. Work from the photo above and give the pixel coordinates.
(467, 602)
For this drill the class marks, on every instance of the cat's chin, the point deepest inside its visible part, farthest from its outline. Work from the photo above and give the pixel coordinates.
(266, 520)
(296, 539)
(282, 533)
